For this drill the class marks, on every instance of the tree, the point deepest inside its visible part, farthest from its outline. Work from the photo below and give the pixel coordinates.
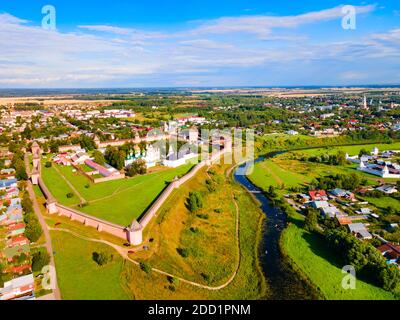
(101, 258)
(99, 157)
(39, 260)
(87, 142)
(362, 153)
(341, 158)
(137, 167)
(311, 221)
(145, 267)
(195, 201)
(33, 230)
(27, 203)
(183, 252)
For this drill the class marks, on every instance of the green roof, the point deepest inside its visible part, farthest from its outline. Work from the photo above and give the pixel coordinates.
(15, 251)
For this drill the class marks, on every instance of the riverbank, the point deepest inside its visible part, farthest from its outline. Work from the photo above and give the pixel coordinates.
(313, 262)
(283, 283)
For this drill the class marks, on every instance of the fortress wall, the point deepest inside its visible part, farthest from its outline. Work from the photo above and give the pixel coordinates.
(99, 224)
(110, 178)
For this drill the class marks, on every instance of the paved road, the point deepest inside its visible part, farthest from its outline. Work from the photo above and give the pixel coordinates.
(38, 212)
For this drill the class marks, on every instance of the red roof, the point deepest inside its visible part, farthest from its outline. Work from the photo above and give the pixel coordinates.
(317, 194)
(391, 249)
(17, 226)
(22, 268)
(19, 240)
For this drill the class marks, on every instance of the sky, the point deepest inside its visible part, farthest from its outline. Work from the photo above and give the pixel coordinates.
(193, 43)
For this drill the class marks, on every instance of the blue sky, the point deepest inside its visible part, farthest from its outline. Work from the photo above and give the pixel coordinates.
(124, 43)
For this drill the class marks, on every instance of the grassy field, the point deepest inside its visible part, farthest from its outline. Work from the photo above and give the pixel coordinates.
(212, 245)
(81, 278)
(286, 170)
(310, 254)
(132, 195)
(208, 235)
(352, 150)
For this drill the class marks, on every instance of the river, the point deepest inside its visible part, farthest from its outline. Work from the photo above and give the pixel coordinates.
(284, 284)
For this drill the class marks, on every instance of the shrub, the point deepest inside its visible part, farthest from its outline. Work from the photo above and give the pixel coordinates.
(33, 230)
(39, 260)
(195, 201)
(101, 258)
(69, 195)
(145, 267)
(203, 216)
(48, 164)
(183, 252)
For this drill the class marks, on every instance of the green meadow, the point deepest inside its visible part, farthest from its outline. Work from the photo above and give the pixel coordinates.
(79, 276)
(309, 253)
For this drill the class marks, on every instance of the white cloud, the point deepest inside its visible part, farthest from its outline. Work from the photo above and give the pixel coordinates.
(103, 55)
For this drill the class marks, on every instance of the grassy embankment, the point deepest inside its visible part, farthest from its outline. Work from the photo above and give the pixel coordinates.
(308, 252)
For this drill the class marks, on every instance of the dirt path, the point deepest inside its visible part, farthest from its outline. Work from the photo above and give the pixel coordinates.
(38, 212)
(82, 199)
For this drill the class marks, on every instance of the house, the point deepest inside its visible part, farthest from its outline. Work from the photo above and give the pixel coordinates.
(387, 188)
(364, 211)
(18, 288)
(331, 211)
(391, 252)
(8, 183)
(10, 252)
(303, 198)
(105, 171)
(80, 158)
(8, 171)
(16, 229)
(359, 231)
(21, 269)
(17, 241)
(319, 204)
(340, 193)
(318, 195)
(191, 135)
(375, 151)
(176, 159)
(292, 133)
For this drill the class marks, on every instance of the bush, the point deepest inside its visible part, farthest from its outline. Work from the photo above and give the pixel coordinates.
(33, 230)
(203, 216)
(48, 164)
(145, 267)
(69, 195)
(183, 252)
(195, 201)
(39, 260)
(101, 258)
